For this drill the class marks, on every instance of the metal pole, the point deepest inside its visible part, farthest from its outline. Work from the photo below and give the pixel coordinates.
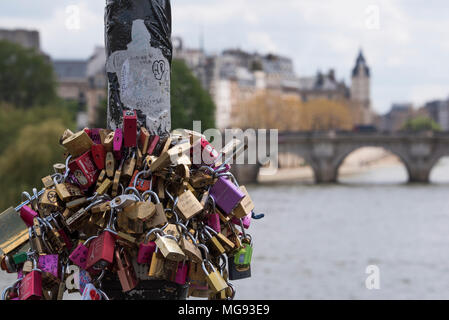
(139, 53)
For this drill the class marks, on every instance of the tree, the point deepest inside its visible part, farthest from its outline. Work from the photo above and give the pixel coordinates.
(269, 109)
(322, 115)
(26, 78)
(189, 101)
(421, 123)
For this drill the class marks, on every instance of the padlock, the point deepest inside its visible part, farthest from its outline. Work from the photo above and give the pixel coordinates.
(159, 218)
(49, 263)
(213, 221)
(48, 182)
(227, 244)
(129, 128)
(243, 256)
(19, 258)
(147, 248)
(179, 275)
(156, 270)
(79, 255)
(110, 164)
(169, 248)
(101, 251)
(8, 264)
(214, 278)
(246, 221)
(245, 207)
(31, 285)
(94, 134)
(91, 293)
(99, 155)
(116, 181)
(62, 233)
(188, 205)
(78, 143)
(84, 170)
(27, 214)
(84, 279)
(142, 185)
(108, 142)
(216, 248)
(125, 271)
(118, 143)
(49, 201)
(138, 214)
(56, 240)
(103, 134)
(238, 272)
(36, 239)
(144, 140)
(67, 191)
(76, 203)
(104, 187)
(129, 166)
(226, 194)
(203, 152)
(154, 140)
(199, 287)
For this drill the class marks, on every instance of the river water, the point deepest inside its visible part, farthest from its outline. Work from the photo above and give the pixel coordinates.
(317, 241)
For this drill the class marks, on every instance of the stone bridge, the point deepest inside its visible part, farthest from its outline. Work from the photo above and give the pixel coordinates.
(325, 152)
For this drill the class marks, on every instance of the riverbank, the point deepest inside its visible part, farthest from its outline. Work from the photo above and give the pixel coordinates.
(358, 162)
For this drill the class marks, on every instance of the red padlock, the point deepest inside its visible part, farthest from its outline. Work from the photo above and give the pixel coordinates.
(130, 128)
(31, 285)
(99, 155)
(84, 170)
(117, 145)
(142, 185)
(154, 140)
(101, 251)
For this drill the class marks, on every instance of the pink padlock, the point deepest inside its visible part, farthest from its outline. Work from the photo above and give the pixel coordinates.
(246, 221)
(146, 248)
(27, 214)
(213, 221)
(79, 255)
(94, 134)
(49, 263)
(118, 142)
(182, 272)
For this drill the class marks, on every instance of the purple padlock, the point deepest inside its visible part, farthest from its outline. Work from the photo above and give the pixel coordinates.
(95, 135)
(49, 263)
(213, 221)
(27, 214)
(182, 272)
(118, 142)
(226, 194)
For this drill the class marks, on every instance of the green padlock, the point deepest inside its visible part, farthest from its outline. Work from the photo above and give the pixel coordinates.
(243, 256)
(20, 258)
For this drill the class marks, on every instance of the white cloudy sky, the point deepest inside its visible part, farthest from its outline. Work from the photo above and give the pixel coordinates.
(408, 50)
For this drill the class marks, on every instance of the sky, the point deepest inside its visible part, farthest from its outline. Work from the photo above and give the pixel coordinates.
(405, 42)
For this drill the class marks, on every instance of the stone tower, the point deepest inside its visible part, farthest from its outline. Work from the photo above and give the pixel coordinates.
(360, 91)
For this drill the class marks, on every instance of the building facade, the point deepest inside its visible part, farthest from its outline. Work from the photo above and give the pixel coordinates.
(360, 91)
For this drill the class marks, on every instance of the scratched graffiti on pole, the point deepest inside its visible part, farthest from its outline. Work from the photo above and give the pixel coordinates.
(139, 62)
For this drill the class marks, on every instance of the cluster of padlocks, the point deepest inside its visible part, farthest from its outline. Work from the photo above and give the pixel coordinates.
(136, 205)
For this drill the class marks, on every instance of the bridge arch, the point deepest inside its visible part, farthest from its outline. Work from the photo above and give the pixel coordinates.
(340, 158)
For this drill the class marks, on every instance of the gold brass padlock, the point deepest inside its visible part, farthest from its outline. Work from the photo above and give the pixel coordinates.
(169, 248)
(188, 206)
(214, 278)
(245, 206)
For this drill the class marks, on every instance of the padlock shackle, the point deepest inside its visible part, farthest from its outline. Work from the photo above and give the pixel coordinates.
(24, 203)
(135, 192)
(149, 233)
(7, 289)
(152, 195)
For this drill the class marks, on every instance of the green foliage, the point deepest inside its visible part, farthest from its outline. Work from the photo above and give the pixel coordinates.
(189, 101)
(26, 77)
(421, 123)
(29, 147)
